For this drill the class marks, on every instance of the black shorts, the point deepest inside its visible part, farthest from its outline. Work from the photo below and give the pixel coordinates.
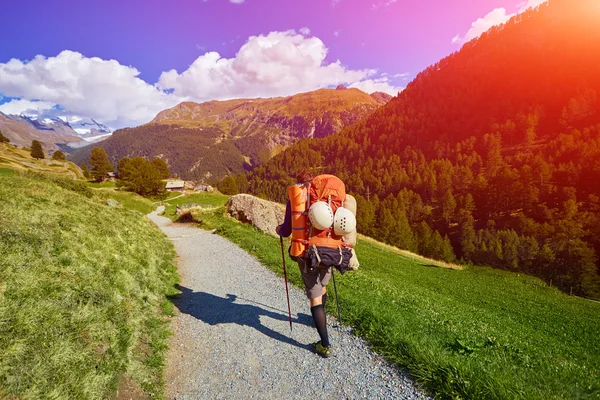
(314, 280)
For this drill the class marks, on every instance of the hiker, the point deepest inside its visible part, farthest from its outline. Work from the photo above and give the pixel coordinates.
(317, 222)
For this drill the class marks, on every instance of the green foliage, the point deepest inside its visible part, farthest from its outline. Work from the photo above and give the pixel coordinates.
(162, 168)
(36, 150)
(59, 155)
(141, 176)
(100, 164)
(3, 139)
(82, 289)
(475, 333)
(86, 171)
(229, 186)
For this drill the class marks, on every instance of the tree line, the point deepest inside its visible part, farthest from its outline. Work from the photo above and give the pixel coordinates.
(135, 174)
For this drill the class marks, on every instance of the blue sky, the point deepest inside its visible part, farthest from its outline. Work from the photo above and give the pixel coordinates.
(113, 60)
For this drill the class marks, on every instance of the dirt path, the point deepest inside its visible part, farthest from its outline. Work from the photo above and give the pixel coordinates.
(232, 338)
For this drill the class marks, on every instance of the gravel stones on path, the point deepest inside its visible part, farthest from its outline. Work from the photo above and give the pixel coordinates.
(232, 338)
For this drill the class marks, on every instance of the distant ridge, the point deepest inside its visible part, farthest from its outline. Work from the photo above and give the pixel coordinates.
(207, 141)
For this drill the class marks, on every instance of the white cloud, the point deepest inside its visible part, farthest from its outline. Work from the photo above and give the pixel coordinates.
(377, 85)
(495, 17)
(337, 33)
(277, 64)
(529, 4)
(27, 107)
(92, 87)
(236, 1)
(305, 31)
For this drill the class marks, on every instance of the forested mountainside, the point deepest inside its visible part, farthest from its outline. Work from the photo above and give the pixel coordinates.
(491, 155)
(210, 140)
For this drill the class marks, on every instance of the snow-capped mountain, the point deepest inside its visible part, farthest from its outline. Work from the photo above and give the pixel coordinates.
(52, 130)
(86, 127)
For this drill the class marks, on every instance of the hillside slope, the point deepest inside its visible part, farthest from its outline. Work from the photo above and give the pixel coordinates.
(210, 140)
(20, 159)
(490, 155)
(82, 292)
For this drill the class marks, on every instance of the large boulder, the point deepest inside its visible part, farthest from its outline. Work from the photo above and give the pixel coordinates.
(263, 214)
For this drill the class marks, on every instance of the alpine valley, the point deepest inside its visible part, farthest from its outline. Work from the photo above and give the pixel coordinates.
(211, 140)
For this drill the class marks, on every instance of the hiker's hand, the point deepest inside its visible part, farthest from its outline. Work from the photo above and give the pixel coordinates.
(277, 229)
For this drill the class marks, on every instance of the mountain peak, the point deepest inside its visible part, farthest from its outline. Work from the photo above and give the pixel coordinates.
(341, 87)
(381, 97)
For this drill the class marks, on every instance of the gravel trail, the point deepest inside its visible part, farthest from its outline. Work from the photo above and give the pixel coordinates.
(232, 338)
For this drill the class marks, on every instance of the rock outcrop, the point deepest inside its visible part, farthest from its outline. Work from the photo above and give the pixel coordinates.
(263, 214)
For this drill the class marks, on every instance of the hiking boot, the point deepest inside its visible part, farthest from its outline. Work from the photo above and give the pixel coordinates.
(321, 350)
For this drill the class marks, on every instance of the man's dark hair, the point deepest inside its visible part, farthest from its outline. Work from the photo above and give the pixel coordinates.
(304, 176)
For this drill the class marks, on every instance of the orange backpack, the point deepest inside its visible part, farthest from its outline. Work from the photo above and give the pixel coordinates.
(327, 188)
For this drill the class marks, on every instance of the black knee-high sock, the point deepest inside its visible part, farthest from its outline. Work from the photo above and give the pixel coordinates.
(318, 313)
(324, 300)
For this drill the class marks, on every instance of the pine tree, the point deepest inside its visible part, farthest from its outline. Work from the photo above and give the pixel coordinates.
(85, 169)
(242, 182)
(140, 176)
(100, 164)
(36, 150)
(58, 155)
(448, 206)
(228, 186)
(162, 167)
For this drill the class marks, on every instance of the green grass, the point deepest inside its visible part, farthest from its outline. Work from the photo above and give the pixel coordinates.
(83, 292)
(7, 171)
(214, 199)
(20, 159)
(473, 333)
(129, 200)
(98, 185)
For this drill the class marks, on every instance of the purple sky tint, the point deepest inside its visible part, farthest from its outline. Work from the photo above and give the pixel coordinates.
(381, 45)
(158, 35)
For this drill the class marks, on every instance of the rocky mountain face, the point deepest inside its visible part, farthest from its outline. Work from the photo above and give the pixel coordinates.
(306, 115)
(208, 141)
(381, 97)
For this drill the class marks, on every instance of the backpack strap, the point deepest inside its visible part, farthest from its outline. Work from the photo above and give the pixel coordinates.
(314, 246)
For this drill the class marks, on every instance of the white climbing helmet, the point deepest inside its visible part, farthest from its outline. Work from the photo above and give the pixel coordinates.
(320, 215)
(344, 221)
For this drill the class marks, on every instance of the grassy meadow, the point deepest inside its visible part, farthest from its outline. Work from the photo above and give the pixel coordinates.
(83, 291)
(214, 199)
(15, 158)
(473, 333)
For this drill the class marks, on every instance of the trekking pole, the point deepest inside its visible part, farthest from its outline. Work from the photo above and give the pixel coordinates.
(287, 293)
(337, 302)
